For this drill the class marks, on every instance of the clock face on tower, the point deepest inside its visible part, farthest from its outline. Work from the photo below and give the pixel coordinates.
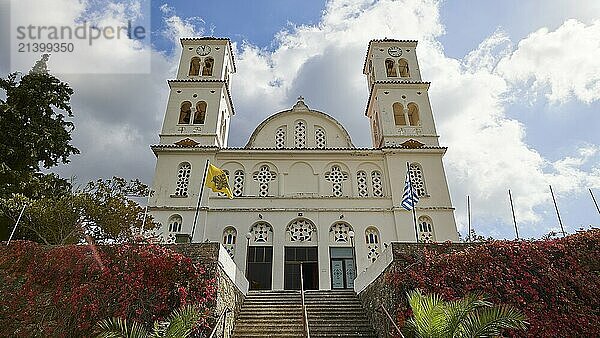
(203, 50)
(395, 51)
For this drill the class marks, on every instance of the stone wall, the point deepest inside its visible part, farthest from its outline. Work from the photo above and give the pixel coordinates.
(377, 291)
(231, 287)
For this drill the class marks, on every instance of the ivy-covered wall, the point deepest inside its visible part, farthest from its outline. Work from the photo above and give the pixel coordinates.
(556, 283)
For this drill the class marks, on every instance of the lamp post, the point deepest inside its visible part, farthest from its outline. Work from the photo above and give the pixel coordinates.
(351, 235)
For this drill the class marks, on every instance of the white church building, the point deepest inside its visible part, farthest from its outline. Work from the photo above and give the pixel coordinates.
(303, 191)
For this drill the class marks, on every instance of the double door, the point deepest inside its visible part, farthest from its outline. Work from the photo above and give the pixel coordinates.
(343, 268)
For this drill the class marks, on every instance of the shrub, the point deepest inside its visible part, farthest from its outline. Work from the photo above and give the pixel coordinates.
(556, 283)
(63, 291)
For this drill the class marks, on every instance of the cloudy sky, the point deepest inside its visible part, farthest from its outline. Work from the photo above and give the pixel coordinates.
(515, 88)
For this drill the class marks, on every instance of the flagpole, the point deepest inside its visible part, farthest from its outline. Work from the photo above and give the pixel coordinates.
(513, 213)
(412, 201)
(199, 200)
(469, 217)
(594, 199)
(557, 213)
(16, 224)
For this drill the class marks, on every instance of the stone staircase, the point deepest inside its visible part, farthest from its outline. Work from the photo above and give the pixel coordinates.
(337, 314)
(270, 314)
(279, 314)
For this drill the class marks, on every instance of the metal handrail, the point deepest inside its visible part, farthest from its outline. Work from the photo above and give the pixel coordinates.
(387, 314)
(304, 314)
(224, 316)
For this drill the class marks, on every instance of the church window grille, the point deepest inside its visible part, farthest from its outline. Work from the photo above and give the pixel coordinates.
(399, 118)
(280, 138)
(403, 68)
(175, 222)
(339, 232)
(229, 238)
(390, 68)
(200, 114)
(238, 183)
(264, 176)
(300, 135)
(337, 177)
(425, 226)
(320, 139)
(372, 241)
(301, 230)
(377, 184)
(208, 67)
(185, 112)
(262, 233)
(361, 178)
(183, 179)
(413, 114)
(417, 179)
(194, 66)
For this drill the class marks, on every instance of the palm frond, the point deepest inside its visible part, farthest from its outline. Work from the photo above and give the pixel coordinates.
(182, 321)
(491, 321)
(118, 328)
(428, 311)
(456, 311)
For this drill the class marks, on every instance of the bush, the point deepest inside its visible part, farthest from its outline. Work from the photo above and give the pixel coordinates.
(64, 291)
(556, 283)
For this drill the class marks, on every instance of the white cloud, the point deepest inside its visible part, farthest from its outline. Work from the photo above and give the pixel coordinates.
(563, 63)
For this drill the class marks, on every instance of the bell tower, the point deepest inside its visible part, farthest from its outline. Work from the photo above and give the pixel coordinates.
(398, 106)
(199, 108)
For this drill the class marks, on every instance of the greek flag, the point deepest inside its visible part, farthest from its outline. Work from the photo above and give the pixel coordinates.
(410, 197)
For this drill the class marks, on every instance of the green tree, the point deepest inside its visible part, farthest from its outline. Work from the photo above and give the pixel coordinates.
(180, 324)
(102, 209)
(34, 130)
(471, 316)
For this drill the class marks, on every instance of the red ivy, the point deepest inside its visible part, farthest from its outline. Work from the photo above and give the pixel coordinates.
(555, 282)
(63, 291)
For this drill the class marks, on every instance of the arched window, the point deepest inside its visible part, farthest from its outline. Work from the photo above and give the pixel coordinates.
(174, 222)
(238, 183)
(399, 118)
(264, 176)
(372, 241)
(200, 114)
(361, 179)
(425, 226)
(403, 68)
(300, 135)
(194, 66)
(229, 238)
(262, 233)
(280, 138)
(183, 179)
(390, 68)
(337, 177)
(185, 112)
(413, 114)
(339, 232)
(417, 179)
(301, 230)
(207, 70)
(320, 138)
(376, 183)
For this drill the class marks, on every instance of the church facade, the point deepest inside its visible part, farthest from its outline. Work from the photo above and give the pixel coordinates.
(302, 191)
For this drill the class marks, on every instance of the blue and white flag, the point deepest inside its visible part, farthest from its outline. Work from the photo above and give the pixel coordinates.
(410, 197)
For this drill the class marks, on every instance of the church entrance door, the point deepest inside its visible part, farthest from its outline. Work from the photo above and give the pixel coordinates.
(310, 268)
(260, 267)
(343, 270)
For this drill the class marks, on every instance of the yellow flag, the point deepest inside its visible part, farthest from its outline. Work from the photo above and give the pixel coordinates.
(216, 179)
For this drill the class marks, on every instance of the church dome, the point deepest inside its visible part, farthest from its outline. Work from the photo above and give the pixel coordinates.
(300, 128)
